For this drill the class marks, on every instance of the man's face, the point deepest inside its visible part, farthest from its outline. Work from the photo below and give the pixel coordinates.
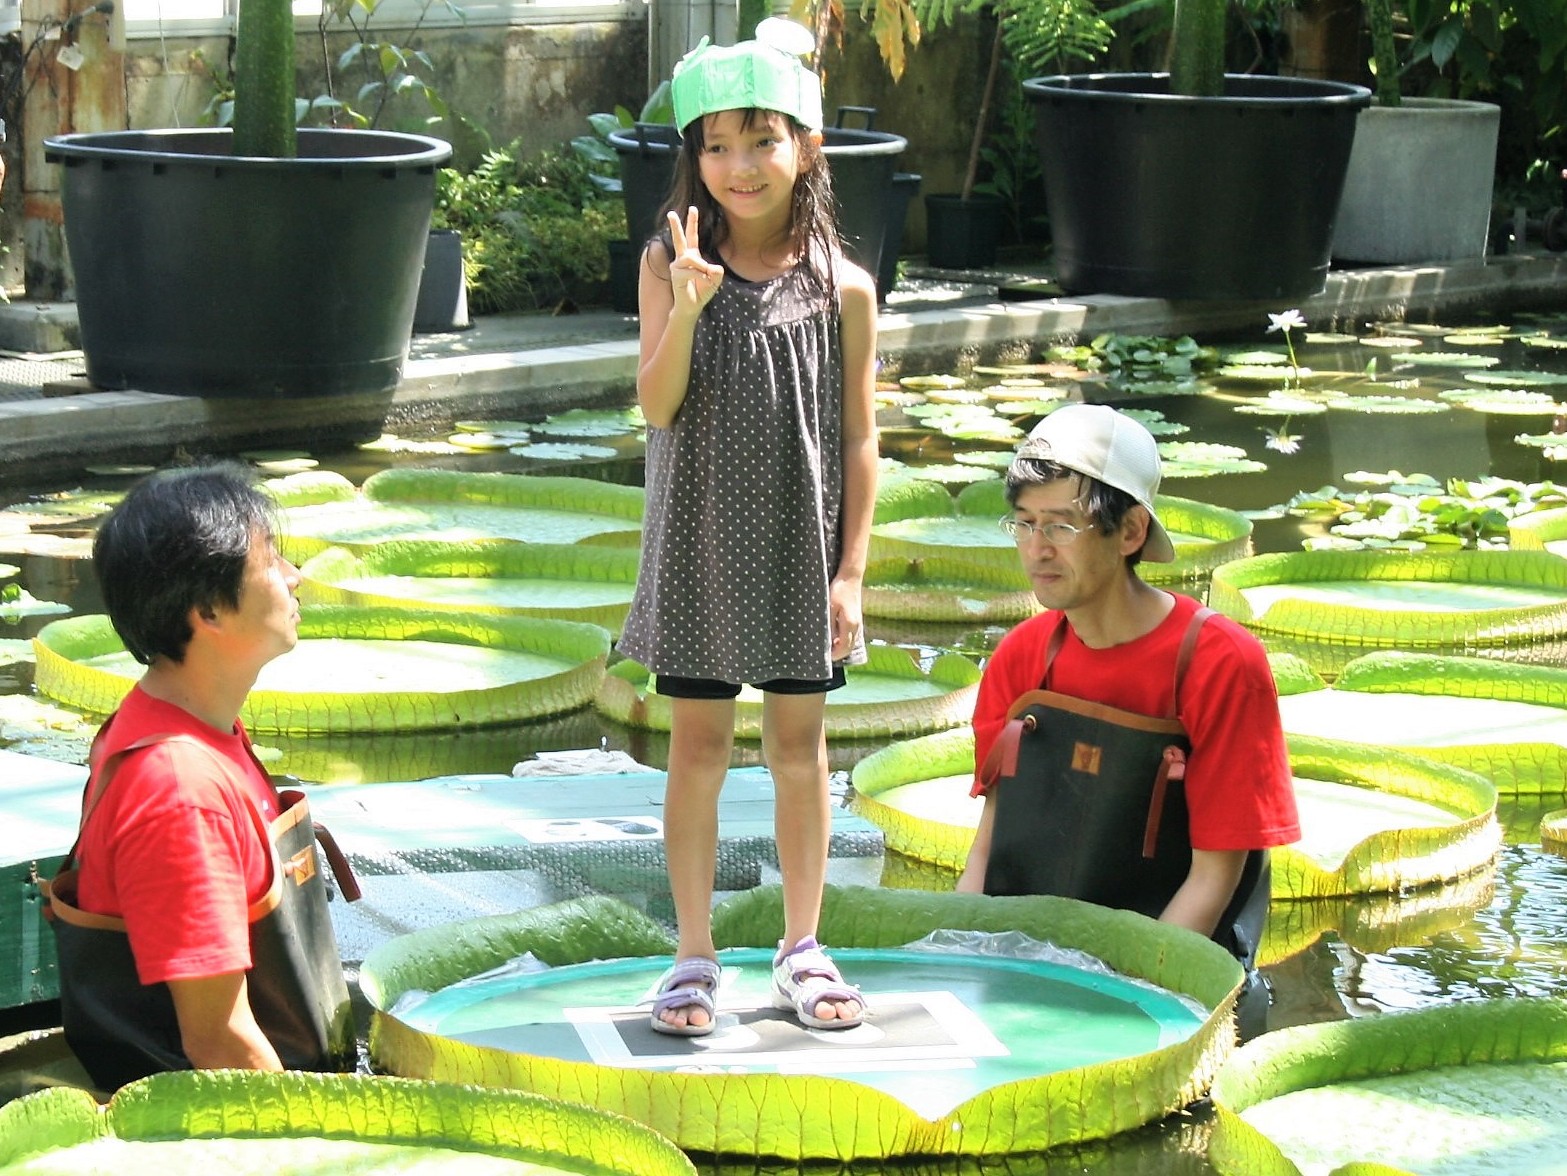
(266, 622)
(1075, 574)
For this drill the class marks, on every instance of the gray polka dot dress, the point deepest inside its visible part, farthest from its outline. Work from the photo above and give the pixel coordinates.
(744, 491)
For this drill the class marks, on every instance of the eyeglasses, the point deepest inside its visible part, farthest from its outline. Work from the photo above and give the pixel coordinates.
(1055, 534)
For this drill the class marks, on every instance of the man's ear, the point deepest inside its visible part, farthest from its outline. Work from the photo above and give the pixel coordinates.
(1134, 529)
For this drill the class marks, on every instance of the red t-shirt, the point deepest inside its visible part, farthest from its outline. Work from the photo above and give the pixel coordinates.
(173, 847)
(1239, 788)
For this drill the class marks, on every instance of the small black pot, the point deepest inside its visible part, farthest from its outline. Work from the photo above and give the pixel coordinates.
(202, 273)
(962, 234)
(1157, 195)
(442, 304)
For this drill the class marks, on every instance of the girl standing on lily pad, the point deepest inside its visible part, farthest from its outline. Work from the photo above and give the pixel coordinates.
(758, 342)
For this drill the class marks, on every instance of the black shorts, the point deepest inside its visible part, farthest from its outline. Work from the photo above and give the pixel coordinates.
(710, 689)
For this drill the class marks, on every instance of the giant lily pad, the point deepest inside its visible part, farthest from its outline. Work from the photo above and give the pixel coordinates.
(1375, 821)
(1371, 821)
(947, 590)
(891, 694)
(366, 669)
(452, 507)
(1472, 1087)
(783, 1111)
(1394, 599)
(1205, 459)
(1504, 720)
(571, 582)
(1544, 530)
(242, 1122)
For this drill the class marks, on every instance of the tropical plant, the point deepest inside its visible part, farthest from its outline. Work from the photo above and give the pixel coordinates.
(534, 227)
(602, 160)
(1035, 34)
(264, 116)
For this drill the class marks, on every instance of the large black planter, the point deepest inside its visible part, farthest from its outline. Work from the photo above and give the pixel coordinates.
(199, 273)
(1156, 195)
(862, 165)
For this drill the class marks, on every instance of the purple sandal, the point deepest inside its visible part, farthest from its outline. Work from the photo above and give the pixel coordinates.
(805, 976)
(691, 984)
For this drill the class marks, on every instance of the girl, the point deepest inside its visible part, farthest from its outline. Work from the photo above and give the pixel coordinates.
(758, 345)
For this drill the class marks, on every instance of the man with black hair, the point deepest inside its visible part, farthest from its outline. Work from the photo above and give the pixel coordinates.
(191, 917)
(1127, 740)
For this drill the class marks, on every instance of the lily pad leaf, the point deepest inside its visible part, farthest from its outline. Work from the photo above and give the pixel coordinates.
(1447, 359)
(561, 451)
(1202, 459)
(1518, 379)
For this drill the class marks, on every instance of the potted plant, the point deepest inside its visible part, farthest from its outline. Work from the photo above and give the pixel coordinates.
(1195, 183)
(962, 229)
(254, 261)
(1422, 169)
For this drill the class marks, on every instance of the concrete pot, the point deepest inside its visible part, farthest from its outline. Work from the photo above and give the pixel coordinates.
(1419, 182)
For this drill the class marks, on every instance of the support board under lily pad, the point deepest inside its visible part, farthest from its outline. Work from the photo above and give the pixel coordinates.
(806, 1115)
(243, 1122)
(1205, 536)
(1505, 720)
(565, 582)
(1469, 1087)
(891, 694)
(321, 510)
(365, 669)
(1373, 821)
(1329, 606)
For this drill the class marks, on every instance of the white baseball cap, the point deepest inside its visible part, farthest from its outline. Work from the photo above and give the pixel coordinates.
(1110, 447)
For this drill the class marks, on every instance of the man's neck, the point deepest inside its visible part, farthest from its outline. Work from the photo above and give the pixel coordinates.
(207, 696)
(1131, 610)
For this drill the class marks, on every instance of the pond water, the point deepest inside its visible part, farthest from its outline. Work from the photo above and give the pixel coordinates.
(1351, 412)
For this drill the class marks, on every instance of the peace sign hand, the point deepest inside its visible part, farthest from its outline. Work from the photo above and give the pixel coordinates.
(695, 279)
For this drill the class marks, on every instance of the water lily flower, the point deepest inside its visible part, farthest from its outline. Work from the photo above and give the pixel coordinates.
(1285, 322)
(1281, 441)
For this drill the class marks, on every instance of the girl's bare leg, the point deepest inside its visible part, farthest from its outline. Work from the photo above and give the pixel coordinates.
(701, 736)
(794, 741)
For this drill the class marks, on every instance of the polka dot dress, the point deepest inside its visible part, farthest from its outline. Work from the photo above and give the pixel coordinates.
(744, 490)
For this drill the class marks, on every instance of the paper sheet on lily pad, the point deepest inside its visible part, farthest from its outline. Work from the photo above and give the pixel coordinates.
(1492, 1119)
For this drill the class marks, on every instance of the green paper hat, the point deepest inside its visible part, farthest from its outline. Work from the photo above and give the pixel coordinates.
(751, 74)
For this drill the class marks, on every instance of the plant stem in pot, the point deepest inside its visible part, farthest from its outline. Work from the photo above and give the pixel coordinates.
(264, 79)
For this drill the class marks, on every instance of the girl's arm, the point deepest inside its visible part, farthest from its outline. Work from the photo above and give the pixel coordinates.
(857, 300)
(671, 292)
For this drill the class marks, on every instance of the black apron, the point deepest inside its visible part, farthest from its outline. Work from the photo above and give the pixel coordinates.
(1090, 803)
(121, 1029)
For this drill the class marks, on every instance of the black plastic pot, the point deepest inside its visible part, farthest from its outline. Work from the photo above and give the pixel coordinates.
(905, 186)
(442, 303)
(1156, 195)
(962, 234)
(200, 273)
(862, 164)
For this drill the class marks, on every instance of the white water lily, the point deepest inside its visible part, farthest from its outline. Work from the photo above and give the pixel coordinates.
(1280, 441)
(1285, 322)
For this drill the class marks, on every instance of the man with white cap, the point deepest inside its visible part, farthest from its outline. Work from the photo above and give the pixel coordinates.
(1128, 740)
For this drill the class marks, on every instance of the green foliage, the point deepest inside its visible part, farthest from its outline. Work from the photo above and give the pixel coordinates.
(595, 151)
(1039, 35)
(535, 228)
(1417, 510)
(1139, 359)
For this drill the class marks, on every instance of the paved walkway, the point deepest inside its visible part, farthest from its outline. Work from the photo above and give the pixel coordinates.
(525, 366)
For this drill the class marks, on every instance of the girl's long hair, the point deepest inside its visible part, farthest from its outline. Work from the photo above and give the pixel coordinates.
(813, 219)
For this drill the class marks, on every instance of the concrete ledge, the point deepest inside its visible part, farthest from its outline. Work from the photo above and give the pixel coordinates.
(530, 366)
